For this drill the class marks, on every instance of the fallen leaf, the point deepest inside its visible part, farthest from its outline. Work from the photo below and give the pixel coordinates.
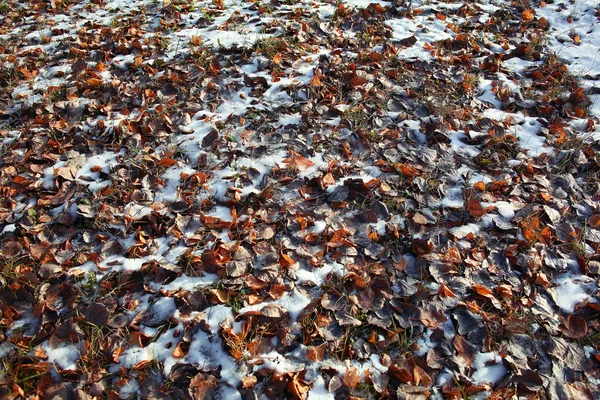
(594, 221)
(475, 208)
(445, 292)
(527, 15)
(351, 377)
(166, 162)
(297, 161)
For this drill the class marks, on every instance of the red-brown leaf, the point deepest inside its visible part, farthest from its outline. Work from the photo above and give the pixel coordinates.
(475, 208)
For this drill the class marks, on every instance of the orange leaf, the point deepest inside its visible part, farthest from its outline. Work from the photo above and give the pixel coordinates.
(116, 354)
(445, 292)
(527, 15)
(178, 352)
(296, 160)
(337, 238)
(529, 234)
(479, 186)
(40, 353)
(328, 180)
(142, 365)
(17, 390)
(407, 170)
(453, 255)
(545, 196)
(504, 290)
(95, 81)
(297, 387)
(373, 337)
(302, 221)
(316, 81)
(483, 291)
(277, 58)
(166, 162)
(285, 260)
(534, 223)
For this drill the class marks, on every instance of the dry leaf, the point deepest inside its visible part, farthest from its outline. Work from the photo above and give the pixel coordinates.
(351, 377)
(527, 15)
(475, 209)
(445, 292)
(594, 221)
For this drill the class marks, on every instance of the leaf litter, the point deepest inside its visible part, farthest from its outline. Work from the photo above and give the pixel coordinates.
(308, 200)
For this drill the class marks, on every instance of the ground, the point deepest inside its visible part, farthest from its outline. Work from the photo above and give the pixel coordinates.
(299, 199)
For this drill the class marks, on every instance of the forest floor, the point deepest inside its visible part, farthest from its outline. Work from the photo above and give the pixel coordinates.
(299, 199)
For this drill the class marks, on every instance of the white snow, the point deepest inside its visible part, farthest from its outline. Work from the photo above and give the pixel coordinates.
(572, 290)
(488, 368)
(223, 213)
(318, 275)
(63, 355)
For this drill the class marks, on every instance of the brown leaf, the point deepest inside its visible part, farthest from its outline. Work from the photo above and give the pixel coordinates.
(419, 219)
(42, 252)
(97, 314)
(249, 381)
(421, 247)
(315, 353)
(434, 360)
(297, 161)
(273, 311)
(353, 80)
(577, 327)
(594, 221)
(409, 41)
(298, 387)
(351, 377)
(335, 383)
(475, 209)
(401, 374)
(453, 255)
(420, 376)
(202, 386)
(463, 349)
(67, 173)
(240, 262)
